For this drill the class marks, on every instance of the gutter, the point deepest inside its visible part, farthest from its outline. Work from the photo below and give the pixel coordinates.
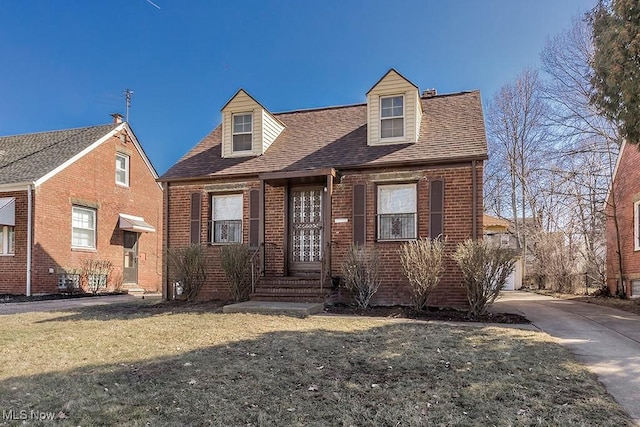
(400, 163)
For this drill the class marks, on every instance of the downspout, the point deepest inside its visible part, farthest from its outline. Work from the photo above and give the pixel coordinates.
(474, 201)
(29, 238)
(167, 291)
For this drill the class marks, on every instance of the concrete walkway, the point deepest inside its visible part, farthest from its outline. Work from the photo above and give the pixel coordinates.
(605, 340)
(63, 304)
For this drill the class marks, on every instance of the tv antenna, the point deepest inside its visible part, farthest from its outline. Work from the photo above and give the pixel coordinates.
(127, 97)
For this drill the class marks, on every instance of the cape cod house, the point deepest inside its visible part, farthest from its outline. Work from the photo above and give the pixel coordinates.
(300, 187)
(75, 195)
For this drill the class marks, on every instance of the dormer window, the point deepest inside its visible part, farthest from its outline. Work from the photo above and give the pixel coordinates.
(242, 132)
(392, 117)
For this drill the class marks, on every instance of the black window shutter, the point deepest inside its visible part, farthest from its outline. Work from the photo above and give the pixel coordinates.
(196, 199)
(359, 214)
(254, 218)
(436, 208)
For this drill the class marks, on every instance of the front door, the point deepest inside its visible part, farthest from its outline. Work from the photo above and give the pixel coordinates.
(130, 267)
(305, 230)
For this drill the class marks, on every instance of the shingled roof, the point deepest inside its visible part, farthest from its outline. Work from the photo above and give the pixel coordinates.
(452, 129)
(28, 157)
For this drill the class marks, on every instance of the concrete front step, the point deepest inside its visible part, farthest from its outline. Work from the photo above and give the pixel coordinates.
(289, 282)
(288, 297)
(298, 309)
(289, 289)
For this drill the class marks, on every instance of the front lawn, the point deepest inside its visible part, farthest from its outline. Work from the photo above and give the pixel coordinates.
(160, 365)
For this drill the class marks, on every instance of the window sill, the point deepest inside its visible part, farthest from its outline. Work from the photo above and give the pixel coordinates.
(224, 243)
(394, 140)
(247, 153)
(118, 184)
(7, 255)
(76, 249)
(408, 239)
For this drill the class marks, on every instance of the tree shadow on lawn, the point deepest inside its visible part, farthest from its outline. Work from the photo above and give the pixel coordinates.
(136, 310)
(394, 374)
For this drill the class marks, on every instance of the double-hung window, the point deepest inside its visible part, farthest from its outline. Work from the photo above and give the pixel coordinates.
(83, 233)
(7, 239)
(392, 117)
(636, 226)
(122, 169)
(242, 132)
(397, 212)
(226, 218)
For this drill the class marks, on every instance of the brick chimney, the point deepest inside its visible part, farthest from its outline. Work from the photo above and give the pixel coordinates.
(117, 117)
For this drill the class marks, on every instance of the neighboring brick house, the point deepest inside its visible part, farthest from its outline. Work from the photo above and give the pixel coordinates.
(72, 195)
(625, 195)
(300, 187)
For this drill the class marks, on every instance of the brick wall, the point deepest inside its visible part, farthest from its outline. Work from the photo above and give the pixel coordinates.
(626, 188)
(457, 227)
(13, 271)
(90, 181)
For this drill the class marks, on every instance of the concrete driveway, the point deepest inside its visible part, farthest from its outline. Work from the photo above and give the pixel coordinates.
(605, 340)
(62, 304)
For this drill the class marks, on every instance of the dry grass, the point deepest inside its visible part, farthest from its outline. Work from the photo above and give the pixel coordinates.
(630, 305)
(158, 366)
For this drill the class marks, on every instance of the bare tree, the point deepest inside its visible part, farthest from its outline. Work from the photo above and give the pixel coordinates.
(518, 141)
(587, 145)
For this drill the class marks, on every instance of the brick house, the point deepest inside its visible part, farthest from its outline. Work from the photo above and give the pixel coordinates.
(624, 193)
(300, 187)
(72, 195)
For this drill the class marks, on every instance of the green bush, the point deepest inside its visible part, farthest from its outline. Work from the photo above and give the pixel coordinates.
(423, 264)
(361, 271)
(187, 266)
(485, 269)
(235, 260)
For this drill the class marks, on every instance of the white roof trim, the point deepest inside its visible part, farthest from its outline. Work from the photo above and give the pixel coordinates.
(19, 186)
(615, 172)
(78, 156)
(146, 160)
(8, 211)
(135, 223)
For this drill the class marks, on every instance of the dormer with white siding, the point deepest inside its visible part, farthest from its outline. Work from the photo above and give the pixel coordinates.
(248, 129)
(394, 111)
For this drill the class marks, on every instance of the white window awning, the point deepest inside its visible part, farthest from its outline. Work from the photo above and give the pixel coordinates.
(8, 211)
(135, 223)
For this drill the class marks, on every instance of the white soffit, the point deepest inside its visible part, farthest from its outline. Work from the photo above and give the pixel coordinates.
(8, 211)
(135, 223)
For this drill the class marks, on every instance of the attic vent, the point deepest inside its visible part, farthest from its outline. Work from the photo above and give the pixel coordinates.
(428, 93)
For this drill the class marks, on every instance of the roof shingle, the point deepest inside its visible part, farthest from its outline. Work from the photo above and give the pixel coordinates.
(28, 157)
(452, 129)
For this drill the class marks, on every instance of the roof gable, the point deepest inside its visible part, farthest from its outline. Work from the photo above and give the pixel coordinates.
(392, 73)
(265, 127)
(393, 87)
(29, 157)
(36, 157)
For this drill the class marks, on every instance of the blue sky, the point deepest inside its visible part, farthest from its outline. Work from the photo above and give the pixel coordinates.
(66, 63)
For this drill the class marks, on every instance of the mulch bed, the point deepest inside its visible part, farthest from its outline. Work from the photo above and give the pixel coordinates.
(433, 313)
(48, 297)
